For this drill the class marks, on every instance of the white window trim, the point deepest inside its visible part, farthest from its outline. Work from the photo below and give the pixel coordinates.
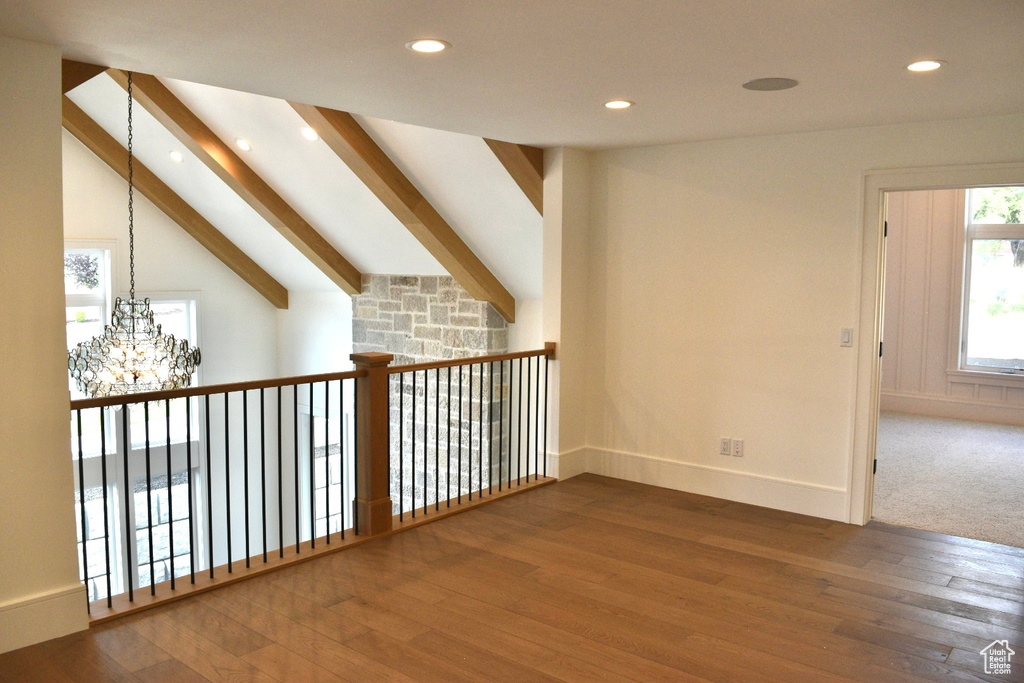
(957, 370)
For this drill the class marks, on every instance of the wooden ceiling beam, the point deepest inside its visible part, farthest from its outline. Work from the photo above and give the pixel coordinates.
(110, 151)
(525, 165)
(229, 167)
(74, 74)
(356, 148)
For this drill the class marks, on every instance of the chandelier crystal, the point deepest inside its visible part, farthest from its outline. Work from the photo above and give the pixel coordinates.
(133, 354)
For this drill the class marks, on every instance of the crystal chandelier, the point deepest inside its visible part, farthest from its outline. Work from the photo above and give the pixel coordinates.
(133, 354)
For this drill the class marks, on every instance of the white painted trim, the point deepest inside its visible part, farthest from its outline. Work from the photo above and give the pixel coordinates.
(26, 621)
(806, 498)
(953, 408)
(865, 414)
(568, 464)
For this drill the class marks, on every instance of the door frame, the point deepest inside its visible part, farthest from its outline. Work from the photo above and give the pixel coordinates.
(876, 185)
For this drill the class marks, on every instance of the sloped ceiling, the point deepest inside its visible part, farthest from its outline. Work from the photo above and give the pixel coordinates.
(537, 71)
(457, 173)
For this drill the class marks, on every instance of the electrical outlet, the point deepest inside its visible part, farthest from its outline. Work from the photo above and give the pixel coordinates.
(737, 448)
(725, 446)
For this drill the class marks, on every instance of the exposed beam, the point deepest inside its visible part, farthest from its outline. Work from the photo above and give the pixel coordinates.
(525, 165)
(229, 167)
(74, 74)
(109, 150)
(346, 137)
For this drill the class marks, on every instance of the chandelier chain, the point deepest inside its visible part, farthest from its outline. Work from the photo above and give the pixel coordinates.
(131, 197)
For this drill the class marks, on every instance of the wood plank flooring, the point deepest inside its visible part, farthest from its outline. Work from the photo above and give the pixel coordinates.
(587, 579)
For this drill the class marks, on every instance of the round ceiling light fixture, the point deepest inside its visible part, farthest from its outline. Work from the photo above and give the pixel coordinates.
(310, 133)
(243, 144)
(176, 156)
(618, 104)
(926, 65)
(770, 84)
(428, 45)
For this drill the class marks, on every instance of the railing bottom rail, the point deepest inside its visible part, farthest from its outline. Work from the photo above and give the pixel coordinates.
(121, 606)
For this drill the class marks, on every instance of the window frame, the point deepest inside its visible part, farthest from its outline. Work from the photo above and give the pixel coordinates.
(960, 368)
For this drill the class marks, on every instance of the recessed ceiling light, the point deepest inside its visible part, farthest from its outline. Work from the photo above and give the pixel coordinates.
(618, 104)
(243, 144)
(309, 133)
(176, 156)
(926, 65)
(428, 45)
(770, 84)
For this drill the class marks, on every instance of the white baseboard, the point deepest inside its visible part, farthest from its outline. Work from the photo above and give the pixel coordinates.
(953, 408)
(53, 614)
(772, 492)
(568, 464)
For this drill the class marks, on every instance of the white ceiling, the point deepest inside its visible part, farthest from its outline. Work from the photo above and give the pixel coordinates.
(537, 71)
(458, 174)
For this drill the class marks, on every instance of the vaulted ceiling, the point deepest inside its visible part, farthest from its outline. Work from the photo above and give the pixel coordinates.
(537, 71)
(311, 215)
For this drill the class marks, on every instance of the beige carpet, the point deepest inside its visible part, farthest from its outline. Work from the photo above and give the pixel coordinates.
(951, 476)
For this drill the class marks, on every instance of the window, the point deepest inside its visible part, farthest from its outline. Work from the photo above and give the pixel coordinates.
(992, 338)
(88, 286)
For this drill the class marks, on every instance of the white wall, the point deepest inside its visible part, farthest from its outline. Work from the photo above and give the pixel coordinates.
(40, 595)
(237, 326)
(923, 282)
(314, 335)
(721, 274)
(566, 284)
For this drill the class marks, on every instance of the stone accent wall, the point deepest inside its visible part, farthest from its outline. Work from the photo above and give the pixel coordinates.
(422, 318)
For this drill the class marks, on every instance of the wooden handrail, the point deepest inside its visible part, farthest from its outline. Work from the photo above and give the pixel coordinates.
(82, 404)
(548, 350)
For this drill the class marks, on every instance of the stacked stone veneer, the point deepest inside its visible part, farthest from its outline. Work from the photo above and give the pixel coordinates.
(424, 318)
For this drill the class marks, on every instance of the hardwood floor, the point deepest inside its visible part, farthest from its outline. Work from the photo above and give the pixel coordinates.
(586, 579)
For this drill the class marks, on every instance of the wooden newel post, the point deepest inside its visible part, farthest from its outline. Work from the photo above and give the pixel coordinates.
(373, 508)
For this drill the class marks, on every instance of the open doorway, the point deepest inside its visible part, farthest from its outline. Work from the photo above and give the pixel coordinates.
(950, 440)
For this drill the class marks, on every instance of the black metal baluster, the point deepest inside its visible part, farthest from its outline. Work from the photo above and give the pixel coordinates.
(547, 369)
(501, 424)
(245, 470)
(459, 422)
(129, 498)
(469, 423)
(355, 459)
(81, 509)
(536, 424)
(401, 446)
(519, 428)
(149, 503)
(529, 365)
(480, 435)
(227, 477)
(412, 464)
(426, 419)
(280, 480)
(263, 468)
(295, 453)
(170, 501)
(490, 428)
(106, 518)
(327, 460)
(312, 474)
(341, 454)
(209, 485)
(191, 492)
(448, 435)
(437, 438)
